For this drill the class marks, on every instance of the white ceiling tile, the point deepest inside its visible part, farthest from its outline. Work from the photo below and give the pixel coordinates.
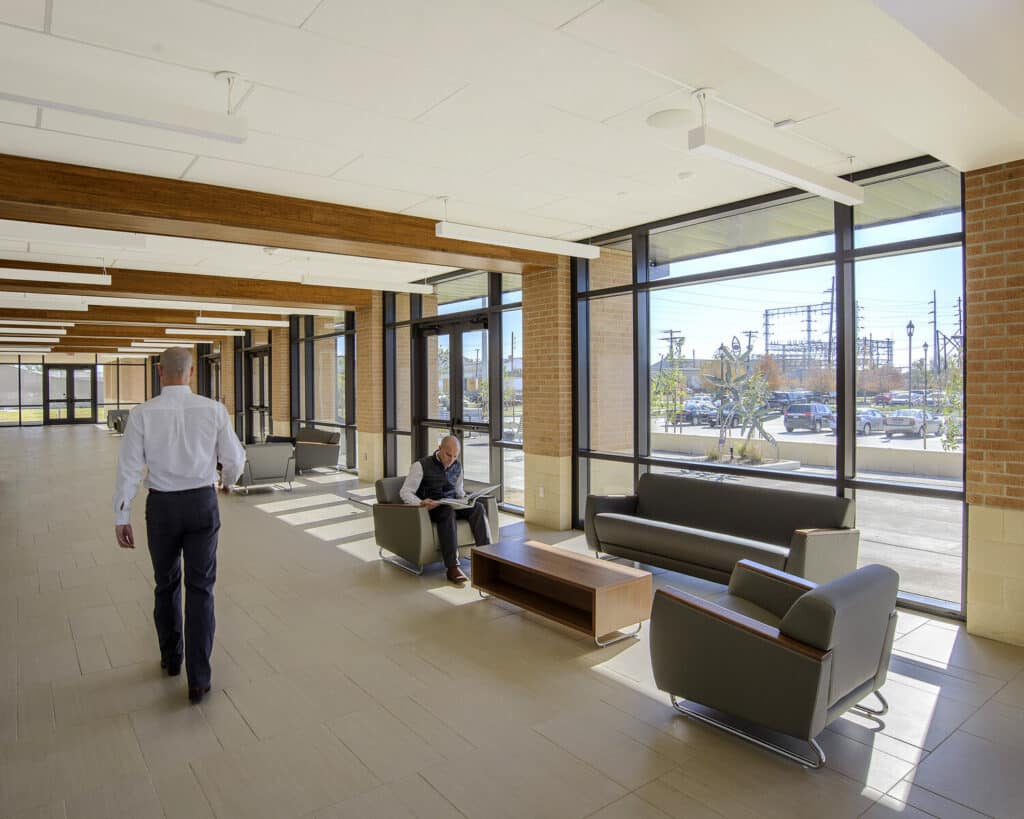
(560, 177)
(27, 13)
(458, 37)
(573, 76)
(594, 214)
(268, 150)
(97, 153)
(211, 38)
(247, 177)
(289, 12)
(17, 113)
(483, 216)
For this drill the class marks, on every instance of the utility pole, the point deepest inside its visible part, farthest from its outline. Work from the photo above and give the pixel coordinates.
(767, 331)
(511, 373)
(831, 313)
(750, 338)
(935, 333)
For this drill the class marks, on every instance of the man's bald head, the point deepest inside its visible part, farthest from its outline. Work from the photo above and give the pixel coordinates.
(175, 366)
(448, 450)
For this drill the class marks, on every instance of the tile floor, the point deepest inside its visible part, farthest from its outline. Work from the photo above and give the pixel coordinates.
(346, 688)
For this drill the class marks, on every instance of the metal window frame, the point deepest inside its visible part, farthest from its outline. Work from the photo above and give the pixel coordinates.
(844, 258)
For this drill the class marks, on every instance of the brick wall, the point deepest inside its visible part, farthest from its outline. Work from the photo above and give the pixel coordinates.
(370, 387)
(612, 268)
(547, 362)
(611, 374)
(995, 332)
(994, 214)
(280, 384)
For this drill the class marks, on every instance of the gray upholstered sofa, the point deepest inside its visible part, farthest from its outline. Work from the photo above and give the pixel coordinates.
(703, 528)
(316, 448)
(267, 464)
(777, 650)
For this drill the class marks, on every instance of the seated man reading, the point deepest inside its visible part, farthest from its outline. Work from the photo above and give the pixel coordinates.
(439, 476)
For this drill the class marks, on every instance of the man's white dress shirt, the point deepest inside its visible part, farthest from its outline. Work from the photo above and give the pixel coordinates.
(415, 478)
(181, 438)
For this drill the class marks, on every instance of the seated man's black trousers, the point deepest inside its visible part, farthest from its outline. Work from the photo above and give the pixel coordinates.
(446, 519)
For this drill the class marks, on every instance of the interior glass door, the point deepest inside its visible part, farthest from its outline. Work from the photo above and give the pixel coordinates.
(69, 394)
(454, 393)
(258, 394)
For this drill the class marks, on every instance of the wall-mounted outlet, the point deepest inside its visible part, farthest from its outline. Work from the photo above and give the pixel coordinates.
(540, 491)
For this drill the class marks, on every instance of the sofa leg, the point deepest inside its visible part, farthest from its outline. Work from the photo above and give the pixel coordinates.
(873, 712)
(398, 562)
(817, 761)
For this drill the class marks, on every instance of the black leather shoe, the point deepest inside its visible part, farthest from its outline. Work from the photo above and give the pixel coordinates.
(195, 695)
(173, 668)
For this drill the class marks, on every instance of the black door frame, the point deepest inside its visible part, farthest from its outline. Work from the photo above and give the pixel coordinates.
(257, 358)
(70, 401)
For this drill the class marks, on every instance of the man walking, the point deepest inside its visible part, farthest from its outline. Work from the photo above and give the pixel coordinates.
(180, 438)
(439, 476)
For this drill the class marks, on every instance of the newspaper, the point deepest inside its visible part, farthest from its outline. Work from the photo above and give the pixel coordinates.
(470, 499)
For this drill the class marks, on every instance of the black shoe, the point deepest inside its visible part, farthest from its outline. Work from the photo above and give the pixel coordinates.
(195, 695)
(173, 667)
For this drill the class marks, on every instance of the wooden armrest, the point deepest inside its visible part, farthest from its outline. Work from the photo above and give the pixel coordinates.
(743, 622)
(314, 443)
(398, 506)
(823, 531)
(775, 574)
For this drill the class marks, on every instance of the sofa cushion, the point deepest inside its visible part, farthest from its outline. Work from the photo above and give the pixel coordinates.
(740, 510)
(686, 543)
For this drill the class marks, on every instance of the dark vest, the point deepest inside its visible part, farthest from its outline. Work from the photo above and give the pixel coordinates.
(437, 482)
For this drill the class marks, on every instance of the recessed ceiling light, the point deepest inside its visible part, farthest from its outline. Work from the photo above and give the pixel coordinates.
(672, 118)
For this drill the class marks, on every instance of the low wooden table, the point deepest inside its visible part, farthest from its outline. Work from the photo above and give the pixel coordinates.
(590, 595)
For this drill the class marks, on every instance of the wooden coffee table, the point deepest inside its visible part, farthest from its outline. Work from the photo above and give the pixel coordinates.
(590, 595)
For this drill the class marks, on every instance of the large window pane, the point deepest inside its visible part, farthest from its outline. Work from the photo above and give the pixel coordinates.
(463, 293)
(921, 538)
(511, 288)
(9, 394)
(512, 376)
(913, 206)
(476, 457)
(720, 388)
(909, 369)
(805, 227)
(132, 384)
(438, 376)
(403, 447)
(403, 385)
(611, 374)
(329, 379)
(610, 477)
(513, 477)
(475, 387)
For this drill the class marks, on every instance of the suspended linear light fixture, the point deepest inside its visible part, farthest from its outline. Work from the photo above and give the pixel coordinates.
(504, 238)
(706, 141)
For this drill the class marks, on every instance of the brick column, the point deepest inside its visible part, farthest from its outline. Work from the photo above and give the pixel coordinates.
(547, 396)
(280, 382)
(994, 212)
(227, 376)
(370, 388)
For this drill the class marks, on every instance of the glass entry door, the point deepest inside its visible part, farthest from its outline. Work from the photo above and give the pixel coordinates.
(257, 393)
(453, 394)
(69, 394)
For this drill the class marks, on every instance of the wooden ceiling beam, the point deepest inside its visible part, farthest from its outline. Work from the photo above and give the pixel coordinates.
(148, 284)
(35, 190)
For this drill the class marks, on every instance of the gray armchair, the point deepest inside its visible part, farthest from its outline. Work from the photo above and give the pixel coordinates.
(407, 531)
(777, 650)
(267, 464)
(316, 448)
(116, 420)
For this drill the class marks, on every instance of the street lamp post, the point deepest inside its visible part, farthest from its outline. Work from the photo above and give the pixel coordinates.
(924, 404)
(910, 362)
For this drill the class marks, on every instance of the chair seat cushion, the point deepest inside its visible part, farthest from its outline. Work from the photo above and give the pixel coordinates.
(684, 543)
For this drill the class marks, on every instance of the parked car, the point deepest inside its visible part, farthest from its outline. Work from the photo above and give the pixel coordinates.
(782, 398)
(814, 417)
(911, 422)
(900, 398)
(868, 421)
(693, 412)
(883, 398)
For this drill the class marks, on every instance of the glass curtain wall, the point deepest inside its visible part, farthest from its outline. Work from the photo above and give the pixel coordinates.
(789, 341)
(325, 379)
(480, 314)
(120, 384)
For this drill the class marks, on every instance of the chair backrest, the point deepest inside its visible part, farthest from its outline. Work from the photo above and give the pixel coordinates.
(388, 490)
(268, 460)
(849, 616)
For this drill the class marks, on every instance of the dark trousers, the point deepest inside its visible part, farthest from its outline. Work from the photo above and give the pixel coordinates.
(445, 517)
(184, 524)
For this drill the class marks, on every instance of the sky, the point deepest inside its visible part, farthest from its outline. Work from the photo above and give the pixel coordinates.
(890, 292)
